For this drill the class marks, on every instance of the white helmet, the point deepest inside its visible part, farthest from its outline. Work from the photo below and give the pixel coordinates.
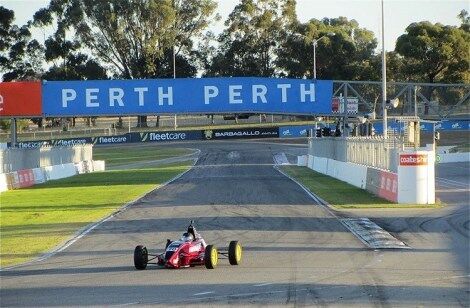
(187, 237)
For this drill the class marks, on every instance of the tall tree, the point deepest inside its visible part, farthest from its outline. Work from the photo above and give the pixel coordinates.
(133, 37)
(255, 30)
(434, 52)
(20, 56)
(344, 56)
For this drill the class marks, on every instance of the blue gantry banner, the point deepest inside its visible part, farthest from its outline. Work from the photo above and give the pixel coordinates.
(188, 95)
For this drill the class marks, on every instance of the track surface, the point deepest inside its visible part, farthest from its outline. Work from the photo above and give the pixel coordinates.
(295, 252)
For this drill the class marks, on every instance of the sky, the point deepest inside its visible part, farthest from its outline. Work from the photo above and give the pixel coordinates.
(398, 13)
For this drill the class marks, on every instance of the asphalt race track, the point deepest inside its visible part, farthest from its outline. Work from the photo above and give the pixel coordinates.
(295, 252)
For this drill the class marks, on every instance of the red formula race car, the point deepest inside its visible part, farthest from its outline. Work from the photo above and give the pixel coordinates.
(190, 250)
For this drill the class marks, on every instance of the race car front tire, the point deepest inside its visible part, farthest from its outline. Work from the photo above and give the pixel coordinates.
(141, 257)
(211, 257)
(234, 253)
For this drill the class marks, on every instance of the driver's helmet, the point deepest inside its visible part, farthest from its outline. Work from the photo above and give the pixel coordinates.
(187, 237)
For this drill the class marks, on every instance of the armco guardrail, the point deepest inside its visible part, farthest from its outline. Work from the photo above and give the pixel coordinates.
(13, 159)
(373, 151)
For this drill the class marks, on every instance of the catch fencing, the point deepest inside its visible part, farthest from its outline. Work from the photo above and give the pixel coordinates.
(369, 151)
(13, 159)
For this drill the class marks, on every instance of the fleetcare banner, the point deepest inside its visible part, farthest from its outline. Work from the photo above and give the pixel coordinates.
(242, 133)
(186, 95)
(169, 136)
(55, 142)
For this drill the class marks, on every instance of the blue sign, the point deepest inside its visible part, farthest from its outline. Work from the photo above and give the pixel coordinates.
(445, 125)
(189, 95)
(294, 131)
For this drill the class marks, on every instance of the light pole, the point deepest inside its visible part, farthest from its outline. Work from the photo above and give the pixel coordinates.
(315, 42)
(384, 79)
(174, 68)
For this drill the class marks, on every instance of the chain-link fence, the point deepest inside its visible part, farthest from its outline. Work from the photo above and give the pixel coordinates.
(14, 159)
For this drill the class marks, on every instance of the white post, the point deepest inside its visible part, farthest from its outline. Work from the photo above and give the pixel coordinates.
(315, 59)
(384, 78)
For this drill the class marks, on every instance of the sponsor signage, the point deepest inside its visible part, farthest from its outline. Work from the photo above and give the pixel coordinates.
(56, 142)
(188, 95)
(294, 131)
(20, 99)
(388, 186)
(112, 139)
(337, 104)
(413, 159)
(244, 133)
(170, 136)
(445, 125)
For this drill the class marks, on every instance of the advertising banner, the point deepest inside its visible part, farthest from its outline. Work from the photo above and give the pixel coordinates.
(352, 105)
(20, 99)
(388, 186)
(56, 142)
(111, 139)
(170, 136)
(186, 95)
(242, 133)
(294, 131)
(445, 125)
(413, 159)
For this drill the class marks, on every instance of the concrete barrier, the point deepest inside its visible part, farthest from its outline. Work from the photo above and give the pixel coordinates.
(3, 182)
(320, 164)
(39, 176)
(99, 165)
(60, 171)
(310, 161)
(302, 160)
(350, 173)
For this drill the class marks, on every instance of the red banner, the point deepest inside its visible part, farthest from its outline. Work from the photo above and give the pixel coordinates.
(24, 178)
(413, 159)
(20, 99)
(388, 186)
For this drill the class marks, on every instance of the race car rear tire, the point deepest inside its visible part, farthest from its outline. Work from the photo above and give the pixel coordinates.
(211, 257)
(141, 257)
(234, 253)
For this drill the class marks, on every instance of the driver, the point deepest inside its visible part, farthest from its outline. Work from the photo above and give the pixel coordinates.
(187, 237)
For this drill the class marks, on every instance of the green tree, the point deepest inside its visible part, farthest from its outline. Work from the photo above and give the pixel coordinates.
(435, 53)
(345, 56)
(20, 56)
(132, 37)
(254, 31)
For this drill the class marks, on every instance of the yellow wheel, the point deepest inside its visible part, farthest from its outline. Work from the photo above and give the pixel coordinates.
(211, 257)
(235, 253)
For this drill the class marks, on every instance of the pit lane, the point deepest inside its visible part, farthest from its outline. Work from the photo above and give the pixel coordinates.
(295, 252)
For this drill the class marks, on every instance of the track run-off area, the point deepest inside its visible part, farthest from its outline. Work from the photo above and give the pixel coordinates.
(296, 252)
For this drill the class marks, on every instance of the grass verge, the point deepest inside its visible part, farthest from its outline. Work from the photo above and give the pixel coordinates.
(121, 155)
(339, 194)
(37, 219)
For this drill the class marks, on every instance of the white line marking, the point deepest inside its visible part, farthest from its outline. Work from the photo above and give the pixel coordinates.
(453, 181)
(263, 284)
(203, 293)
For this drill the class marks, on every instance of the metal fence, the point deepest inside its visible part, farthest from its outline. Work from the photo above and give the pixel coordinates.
(13, 159)
(370, 151)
